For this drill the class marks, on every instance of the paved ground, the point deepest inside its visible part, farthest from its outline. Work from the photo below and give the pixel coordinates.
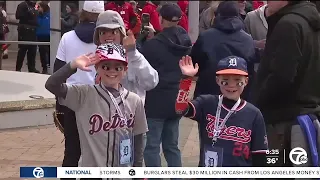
(10, 63)
(43, 146)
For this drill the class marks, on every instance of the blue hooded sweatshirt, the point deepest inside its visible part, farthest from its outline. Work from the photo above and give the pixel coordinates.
(226, 38)
(43, 28)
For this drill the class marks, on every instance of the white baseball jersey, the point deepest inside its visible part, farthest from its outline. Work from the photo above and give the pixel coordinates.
(99, 124)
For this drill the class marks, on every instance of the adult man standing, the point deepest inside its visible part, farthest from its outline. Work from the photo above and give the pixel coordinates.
(286, 79)
(27, 16)
(163, 53)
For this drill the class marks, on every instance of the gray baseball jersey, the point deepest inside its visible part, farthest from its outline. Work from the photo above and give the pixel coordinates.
(99, 124)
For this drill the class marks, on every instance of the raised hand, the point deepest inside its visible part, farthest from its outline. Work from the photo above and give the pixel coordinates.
(129, 42)
(85, 61)
(187, 67)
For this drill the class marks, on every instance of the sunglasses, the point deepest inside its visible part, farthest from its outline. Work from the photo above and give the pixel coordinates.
(107, 67)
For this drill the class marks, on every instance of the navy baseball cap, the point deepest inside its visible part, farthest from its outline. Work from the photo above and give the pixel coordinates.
(232, 65)
(171, 12)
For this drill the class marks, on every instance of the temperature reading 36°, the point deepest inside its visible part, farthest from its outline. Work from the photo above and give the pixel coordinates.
(272, 160)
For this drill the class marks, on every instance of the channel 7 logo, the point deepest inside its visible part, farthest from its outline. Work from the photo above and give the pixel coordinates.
(38, 172)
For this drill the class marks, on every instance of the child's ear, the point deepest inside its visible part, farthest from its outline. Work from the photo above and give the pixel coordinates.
(217, 80)
(246, 81)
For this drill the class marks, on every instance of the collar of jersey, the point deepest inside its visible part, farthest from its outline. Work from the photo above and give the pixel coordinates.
(241, 106)
(121, 89)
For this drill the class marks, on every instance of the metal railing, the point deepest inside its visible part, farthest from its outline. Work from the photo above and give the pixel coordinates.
(19, 42)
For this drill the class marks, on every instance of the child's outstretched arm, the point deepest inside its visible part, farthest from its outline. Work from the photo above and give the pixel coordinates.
(182, 102)
(57, 86)
(183, 105)
(56, 82)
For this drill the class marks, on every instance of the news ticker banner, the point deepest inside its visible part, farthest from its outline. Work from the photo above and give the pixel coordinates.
(169, 172)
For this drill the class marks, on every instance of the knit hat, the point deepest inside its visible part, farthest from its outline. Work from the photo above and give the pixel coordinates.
(111, 20)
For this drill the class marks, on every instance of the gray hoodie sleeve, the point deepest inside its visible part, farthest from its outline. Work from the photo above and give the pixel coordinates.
(140, 71)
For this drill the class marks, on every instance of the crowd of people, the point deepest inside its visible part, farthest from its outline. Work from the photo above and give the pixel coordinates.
(119, 99)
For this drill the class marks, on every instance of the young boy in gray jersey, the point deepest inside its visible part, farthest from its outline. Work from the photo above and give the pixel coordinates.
(111, 120)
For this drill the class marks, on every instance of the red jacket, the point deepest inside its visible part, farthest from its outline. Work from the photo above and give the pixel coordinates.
(126, 11)
(184, 18)
(151, 9)
(257, 4)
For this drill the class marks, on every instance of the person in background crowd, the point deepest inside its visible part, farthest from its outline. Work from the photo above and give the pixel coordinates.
(203, 5)
(207, 18)
(134, 5)
(129, 16)
(225, 38)
(249, 6)
(147, 33)
(2, 22)
(5, 28)
(72, 45)
(184, 18)
(43, 35)
(164, 52)
(27, 16)
(137, 28)
(287, 84)
(242, 8)
(257, 4)
(70, 19)
(256, 25)
(151, 8)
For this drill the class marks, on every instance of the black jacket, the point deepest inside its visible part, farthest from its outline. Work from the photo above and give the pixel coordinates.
(226, 38)
(27, 16)
(164, 52)
(288, 77)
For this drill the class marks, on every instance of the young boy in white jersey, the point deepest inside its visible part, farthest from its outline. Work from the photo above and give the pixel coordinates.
(111, 120)
(239, 137)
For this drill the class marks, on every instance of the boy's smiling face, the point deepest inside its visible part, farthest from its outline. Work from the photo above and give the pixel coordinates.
(111, 72)
(231, 85)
